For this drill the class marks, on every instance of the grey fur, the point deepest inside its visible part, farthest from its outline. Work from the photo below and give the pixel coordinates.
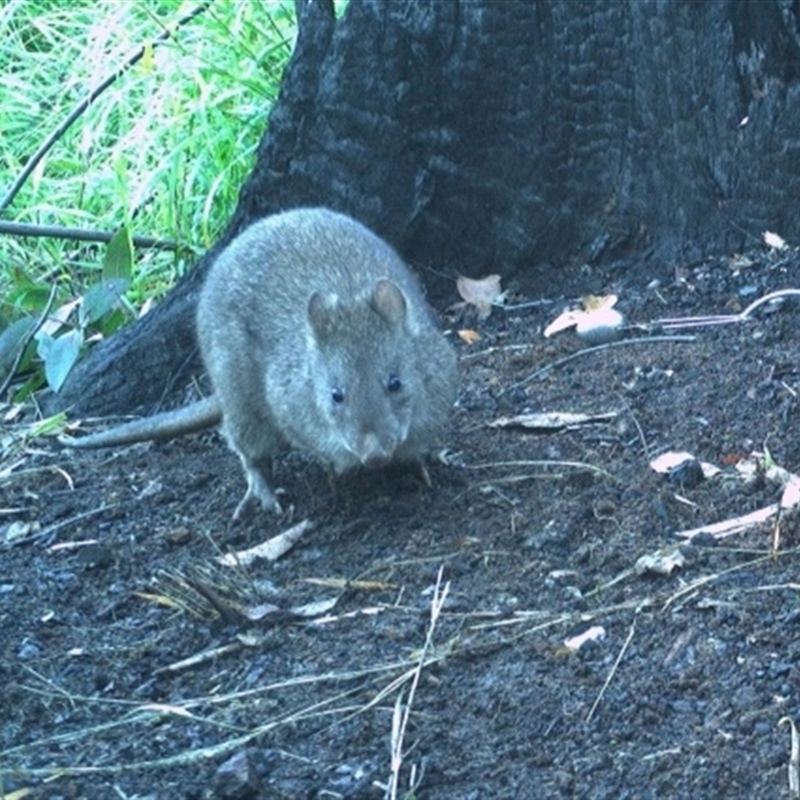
(316, 335)
(167, 425)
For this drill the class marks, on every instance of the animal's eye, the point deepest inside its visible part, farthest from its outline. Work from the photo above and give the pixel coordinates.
(394, 384)
(337, 395)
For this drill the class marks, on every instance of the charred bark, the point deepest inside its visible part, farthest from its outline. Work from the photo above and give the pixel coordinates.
(480, 136)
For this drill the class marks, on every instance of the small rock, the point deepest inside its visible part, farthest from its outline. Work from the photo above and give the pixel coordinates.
(29, 649)
(688, 475)
(237, 779)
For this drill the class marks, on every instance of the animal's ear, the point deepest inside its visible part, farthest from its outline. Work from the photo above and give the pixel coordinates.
(389, 301)
(321, 313)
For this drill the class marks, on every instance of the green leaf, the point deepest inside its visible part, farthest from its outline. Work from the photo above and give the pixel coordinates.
(112, 322)
(33, 384)
(11, 340)
(26, 293)
(45, 427)
(100, 299)
(118, 260)
(59, 356)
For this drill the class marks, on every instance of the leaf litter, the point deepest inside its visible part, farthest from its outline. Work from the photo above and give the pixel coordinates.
(433, 660)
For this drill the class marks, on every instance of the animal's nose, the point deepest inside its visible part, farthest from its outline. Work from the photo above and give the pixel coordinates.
(373, 453)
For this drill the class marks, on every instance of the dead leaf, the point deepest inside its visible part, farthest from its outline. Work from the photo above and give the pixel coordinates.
(566, 319)
(468, 336)
(259, 612)
(730, 527)
(158, 599)
(346, 583)
(596, 302)
(19, 530)
(662, 562)
(271, 550)
(732, 459)
(738, 262)
(315, 609)
(19, 794)
(791, 494)
(482, 293)
(773, 240)
(667, 462)
(551, 421)
(600, 326)
(594, 634)
(176, 536)
(794, 757)
(598, 322)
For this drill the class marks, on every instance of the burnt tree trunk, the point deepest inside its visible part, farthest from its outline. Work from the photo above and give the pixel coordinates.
(515, 137)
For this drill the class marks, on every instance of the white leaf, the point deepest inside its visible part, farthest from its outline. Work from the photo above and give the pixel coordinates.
(773, 240)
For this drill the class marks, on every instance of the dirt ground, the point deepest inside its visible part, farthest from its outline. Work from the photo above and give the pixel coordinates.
(427, 633)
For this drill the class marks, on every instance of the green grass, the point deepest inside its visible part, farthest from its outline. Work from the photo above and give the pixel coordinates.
(164, 150)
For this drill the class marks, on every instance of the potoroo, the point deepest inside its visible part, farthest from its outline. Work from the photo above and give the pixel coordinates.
(316, 335)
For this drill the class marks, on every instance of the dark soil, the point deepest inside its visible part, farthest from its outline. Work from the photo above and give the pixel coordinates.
(133, 665)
